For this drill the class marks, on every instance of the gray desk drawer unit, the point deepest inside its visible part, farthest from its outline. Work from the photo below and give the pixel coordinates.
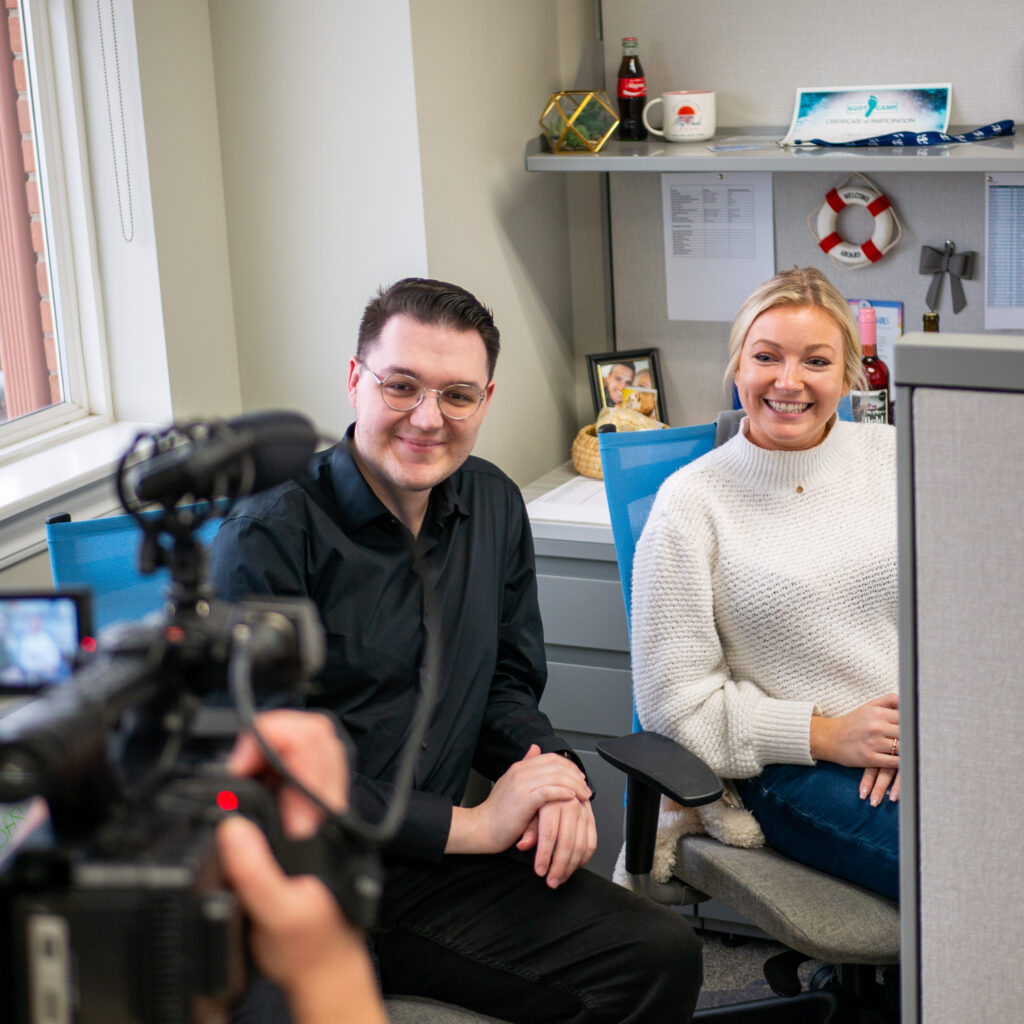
(588, 695)
(588, 691)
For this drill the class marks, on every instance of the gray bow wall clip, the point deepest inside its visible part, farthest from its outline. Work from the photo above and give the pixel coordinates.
(959, 265)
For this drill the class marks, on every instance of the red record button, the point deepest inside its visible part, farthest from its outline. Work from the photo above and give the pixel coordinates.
(227, 801)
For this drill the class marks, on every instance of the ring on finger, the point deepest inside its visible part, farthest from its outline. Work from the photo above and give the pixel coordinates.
(895, 746)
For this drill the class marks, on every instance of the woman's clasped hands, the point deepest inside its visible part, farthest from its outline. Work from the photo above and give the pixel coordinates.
(868, 738)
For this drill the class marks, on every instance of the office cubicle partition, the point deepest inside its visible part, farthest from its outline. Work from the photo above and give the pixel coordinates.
(960, 422)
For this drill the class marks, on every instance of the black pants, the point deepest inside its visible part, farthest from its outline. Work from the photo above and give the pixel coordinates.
(485, 933)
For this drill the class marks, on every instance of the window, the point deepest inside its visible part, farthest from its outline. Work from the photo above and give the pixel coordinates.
(58, 439)
(41, 383)
(129, 329)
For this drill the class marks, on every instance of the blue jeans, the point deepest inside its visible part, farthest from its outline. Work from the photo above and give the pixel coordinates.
(815, 816)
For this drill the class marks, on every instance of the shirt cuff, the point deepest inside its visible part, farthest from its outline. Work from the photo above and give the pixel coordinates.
(423, 833)
(557, 745)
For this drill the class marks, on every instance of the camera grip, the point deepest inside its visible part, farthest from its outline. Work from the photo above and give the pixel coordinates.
(345, 863)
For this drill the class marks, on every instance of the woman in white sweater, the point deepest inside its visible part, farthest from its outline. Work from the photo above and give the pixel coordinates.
(764, 594)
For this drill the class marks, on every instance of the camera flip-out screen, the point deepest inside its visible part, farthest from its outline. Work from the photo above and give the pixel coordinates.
(41, 636)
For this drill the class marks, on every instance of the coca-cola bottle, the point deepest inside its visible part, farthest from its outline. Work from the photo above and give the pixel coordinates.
(632, 93)
(875, 404)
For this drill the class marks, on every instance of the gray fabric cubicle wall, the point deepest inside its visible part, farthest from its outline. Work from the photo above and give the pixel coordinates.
(755, 56)
(962, 653)
(931, 208)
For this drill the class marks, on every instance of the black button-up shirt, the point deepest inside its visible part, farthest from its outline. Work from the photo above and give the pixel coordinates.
(328, 537)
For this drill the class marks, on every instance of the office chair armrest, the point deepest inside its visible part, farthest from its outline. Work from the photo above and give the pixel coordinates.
(655, 765)
(664, 765)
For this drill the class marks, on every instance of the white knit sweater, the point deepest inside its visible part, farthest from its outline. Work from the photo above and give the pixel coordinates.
(764, 587)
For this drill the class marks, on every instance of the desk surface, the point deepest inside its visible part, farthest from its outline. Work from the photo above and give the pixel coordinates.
(557, 476)
(563, 505)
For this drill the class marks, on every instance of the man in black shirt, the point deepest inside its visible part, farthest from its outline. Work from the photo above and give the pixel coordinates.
(483, 906)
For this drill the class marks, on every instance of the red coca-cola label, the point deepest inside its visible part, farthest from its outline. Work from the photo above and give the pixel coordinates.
(632, 87)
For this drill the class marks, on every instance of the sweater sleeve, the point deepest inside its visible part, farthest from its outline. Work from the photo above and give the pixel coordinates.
(682, 683)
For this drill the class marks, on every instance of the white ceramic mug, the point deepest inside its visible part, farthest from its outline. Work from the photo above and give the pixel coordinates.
(688, 115)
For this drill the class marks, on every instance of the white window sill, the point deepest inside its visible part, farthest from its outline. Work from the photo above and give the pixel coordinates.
(73, 475)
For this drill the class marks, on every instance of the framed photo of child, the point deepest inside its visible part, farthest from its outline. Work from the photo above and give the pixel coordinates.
(627, 380)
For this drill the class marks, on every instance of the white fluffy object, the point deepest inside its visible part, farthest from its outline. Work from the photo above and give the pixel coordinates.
(732, 825)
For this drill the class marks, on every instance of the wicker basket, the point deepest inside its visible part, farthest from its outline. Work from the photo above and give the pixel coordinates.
(586, 453)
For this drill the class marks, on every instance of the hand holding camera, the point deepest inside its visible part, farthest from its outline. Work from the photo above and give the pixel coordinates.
(299, 935)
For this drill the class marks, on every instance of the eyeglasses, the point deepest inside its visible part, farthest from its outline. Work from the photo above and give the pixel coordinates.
(403, 394)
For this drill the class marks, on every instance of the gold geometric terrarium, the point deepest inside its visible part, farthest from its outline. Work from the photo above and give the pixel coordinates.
(578, 120)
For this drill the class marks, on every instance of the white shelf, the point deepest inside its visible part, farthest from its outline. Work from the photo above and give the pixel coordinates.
(1001, 154)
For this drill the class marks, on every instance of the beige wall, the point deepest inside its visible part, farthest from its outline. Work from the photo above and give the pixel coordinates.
(320, 151)
(187, 188)
(483, 74)
(33, 573)
(334, 186)
(754, 55)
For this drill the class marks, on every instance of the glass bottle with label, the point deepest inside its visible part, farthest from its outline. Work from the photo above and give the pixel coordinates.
(930, 322)
(875, 404)
(632, 93)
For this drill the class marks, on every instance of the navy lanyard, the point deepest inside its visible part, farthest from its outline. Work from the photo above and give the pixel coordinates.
(988, 131)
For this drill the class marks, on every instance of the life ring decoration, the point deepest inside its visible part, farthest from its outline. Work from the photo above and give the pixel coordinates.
(887, 230)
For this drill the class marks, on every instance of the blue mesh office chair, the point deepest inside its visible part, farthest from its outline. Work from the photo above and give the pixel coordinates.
(103, 555)
(814, 914)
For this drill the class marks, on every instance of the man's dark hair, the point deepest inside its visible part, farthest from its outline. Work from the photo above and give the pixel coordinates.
(435, 304)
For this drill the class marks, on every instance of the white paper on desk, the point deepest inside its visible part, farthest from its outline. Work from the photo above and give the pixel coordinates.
(719, 241)
(581, 500)
(1004, 251)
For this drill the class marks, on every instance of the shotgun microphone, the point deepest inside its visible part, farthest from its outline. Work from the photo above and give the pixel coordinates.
(239, 456)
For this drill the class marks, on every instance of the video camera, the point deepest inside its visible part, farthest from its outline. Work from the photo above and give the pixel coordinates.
(119, 914)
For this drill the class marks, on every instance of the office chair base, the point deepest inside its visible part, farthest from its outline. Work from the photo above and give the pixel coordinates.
(848, 994)
(781, 973)
(860, 996)
(805, 1008)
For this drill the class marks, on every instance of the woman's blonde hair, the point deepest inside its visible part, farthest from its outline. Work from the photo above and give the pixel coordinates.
(801, 286)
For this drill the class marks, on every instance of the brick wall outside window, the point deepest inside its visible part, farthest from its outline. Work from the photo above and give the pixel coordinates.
(28, 348)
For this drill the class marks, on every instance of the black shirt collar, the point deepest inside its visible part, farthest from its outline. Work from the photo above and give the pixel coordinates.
(358, 505)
